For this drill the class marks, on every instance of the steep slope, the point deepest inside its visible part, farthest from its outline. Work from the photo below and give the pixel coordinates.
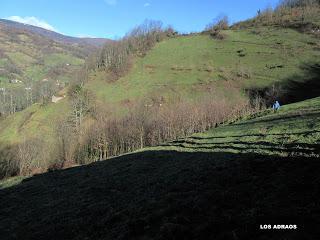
(250, 58)
(187, 67)
(293, 131)
(217, 185)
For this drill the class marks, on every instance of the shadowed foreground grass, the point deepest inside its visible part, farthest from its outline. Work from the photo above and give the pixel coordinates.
(217, 185)
(167, 195)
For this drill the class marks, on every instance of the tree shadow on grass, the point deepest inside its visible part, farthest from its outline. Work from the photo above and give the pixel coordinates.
(291, 149)
(253, 135)
(295, 89)
(289, 118)
(167, 195)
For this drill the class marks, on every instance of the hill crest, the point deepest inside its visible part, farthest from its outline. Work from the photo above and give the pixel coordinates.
(94, 42)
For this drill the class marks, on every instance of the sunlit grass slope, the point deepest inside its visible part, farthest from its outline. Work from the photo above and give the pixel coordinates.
(189, 65)
(294, 130)
(36, 121)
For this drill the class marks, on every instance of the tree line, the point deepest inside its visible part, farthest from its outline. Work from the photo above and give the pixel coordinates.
(115, 56)
(93, 132)
(17, 98)
(152, 124)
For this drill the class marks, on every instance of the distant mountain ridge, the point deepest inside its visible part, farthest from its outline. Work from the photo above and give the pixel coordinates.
(95, 42)
(30, 54)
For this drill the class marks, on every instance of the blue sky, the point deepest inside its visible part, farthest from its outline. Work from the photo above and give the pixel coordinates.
(113, 18)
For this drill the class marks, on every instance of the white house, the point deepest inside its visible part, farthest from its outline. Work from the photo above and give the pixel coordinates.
(55, 99)
(15, 81)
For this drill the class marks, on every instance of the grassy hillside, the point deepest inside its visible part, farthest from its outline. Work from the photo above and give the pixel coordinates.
(221, 184)
(188, 65)
(185, 68)
(35, 121)
(292, 131)
(30, 57)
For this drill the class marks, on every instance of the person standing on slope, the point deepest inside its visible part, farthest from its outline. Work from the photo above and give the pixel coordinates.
(276, 106)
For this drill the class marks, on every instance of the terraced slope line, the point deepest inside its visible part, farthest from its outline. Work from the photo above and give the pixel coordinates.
(294, 130)
(202, 191)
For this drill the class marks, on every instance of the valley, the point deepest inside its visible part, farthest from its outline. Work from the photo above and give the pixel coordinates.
(162, 134)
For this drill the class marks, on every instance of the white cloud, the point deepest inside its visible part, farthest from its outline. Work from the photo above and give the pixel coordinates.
(32, 21)
(85, 36)
(111, 2)
(147, 4)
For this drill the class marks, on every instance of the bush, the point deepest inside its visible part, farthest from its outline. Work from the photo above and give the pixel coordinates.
(23, 158)
(216, 34)
(220, 23)
(8, 164)
(215, 28)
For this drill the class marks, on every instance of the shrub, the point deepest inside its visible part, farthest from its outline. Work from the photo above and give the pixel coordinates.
(220, 23)
(215, 28)
(216, 34)
(9, 165)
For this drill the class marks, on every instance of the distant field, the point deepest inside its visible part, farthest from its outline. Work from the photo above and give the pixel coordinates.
(61, 58)
(27, 57)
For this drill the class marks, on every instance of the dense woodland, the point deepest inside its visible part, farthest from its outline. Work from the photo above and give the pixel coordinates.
(92, 132)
